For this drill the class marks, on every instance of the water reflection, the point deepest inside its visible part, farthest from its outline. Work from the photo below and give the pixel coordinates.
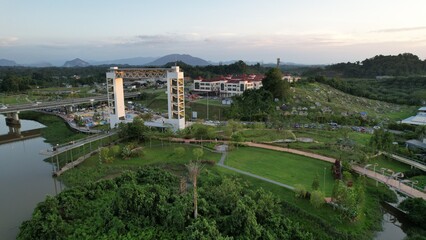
(25, 179)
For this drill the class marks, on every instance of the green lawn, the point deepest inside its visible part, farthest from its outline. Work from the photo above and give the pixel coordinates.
(266, 135)
(286, 168)
(13, 99)
(158, 155)
(385, 162)
(211, 102)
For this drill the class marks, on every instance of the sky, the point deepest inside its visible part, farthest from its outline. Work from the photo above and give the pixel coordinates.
(300, 31)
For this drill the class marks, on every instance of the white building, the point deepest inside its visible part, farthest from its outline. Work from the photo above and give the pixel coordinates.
(289, 78)
(229, 85)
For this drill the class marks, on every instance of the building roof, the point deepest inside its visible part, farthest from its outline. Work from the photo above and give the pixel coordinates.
(416, 143)
(235, 78)
(419, 119)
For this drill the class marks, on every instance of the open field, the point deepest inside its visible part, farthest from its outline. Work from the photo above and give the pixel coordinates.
(286, 168)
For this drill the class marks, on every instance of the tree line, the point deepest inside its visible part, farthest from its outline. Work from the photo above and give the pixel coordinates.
(405, 64)
(148, 204)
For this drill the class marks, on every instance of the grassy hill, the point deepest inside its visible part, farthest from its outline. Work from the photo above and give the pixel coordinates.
(321, 98)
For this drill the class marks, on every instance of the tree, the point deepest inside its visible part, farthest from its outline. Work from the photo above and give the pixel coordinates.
(274, 83)
(315, 183)
(252, 105)
(317, 198)
(416, 208)
(194, 169)
(198, 153)
(237, 138)
(179, 152)
(105, 155)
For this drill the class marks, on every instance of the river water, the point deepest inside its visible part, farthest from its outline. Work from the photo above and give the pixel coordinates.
(25, 179)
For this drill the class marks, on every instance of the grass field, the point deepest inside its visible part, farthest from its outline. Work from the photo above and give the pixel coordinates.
(57, 132)
(286, 168)
(385, 162)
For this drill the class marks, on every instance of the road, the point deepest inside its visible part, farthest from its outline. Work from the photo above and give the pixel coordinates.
(61, 103)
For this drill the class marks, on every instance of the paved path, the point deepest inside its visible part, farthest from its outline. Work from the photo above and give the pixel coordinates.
(290, 150)
(390, 181)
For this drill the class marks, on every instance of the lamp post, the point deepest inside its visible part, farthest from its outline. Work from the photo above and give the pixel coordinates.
(207, 105)
(365, 168)
(324, 178)
(375, 173)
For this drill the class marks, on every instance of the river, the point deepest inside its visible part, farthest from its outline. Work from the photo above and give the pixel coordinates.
(25, 179)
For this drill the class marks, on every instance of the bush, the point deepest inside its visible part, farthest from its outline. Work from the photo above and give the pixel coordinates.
(317, 198)
(300, 191)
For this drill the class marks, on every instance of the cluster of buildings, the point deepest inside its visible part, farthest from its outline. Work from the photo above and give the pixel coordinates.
(228, 86)
(231, 85)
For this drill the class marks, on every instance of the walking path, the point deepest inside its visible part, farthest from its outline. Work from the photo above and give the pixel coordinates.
(73, 164)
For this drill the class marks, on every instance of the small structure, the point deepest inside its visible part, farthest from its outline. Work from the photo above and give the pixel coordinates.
(416, 144)
(419, 119)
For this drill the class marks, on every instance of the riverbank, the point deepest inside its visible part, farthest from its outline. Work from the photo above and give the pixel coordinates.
(56, 131)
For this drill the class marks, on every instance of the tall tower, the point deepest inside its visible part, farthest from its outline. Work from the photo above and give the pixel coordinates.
(176, 98)
(115, 93)
(278, 62)
(175, 92)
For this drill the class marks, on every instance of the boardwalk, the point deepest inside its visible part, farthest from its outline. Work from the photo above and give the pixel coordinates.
(76, 144)
(406, 161)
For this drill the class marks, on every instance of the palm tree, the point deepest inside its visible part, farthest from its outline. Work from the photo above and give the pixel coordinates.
(194, 169)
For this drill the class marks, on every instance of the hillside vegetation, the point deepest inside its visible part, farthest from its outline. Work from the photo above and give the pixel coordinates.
(322, 100)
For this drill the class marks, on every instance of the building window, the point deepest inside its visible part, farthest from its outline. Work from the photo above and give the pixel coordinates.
(197, 85)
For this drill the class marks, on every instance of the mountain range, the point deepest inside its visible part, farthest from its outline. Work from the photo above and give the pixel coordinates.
(135, 61)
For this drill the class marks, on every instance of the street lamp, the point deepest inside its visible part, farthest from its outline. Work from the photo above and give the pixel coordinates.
(324, 178)
(365, 168)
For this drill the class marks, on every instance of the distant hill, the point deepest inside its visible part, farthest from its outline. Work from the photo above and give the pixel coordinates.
(7, 63)
(405, 64)
(39, 64)
(76, 63)
(188, 59)
(136, 61)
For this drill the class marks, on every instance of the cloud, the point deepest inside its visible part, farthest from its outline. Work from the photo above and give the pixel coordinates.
(392, 30)
(8, 41)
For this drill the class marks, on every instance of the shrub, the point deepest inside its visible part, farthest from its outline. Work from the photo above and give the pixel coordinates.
(300, 191)
(317, 198)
